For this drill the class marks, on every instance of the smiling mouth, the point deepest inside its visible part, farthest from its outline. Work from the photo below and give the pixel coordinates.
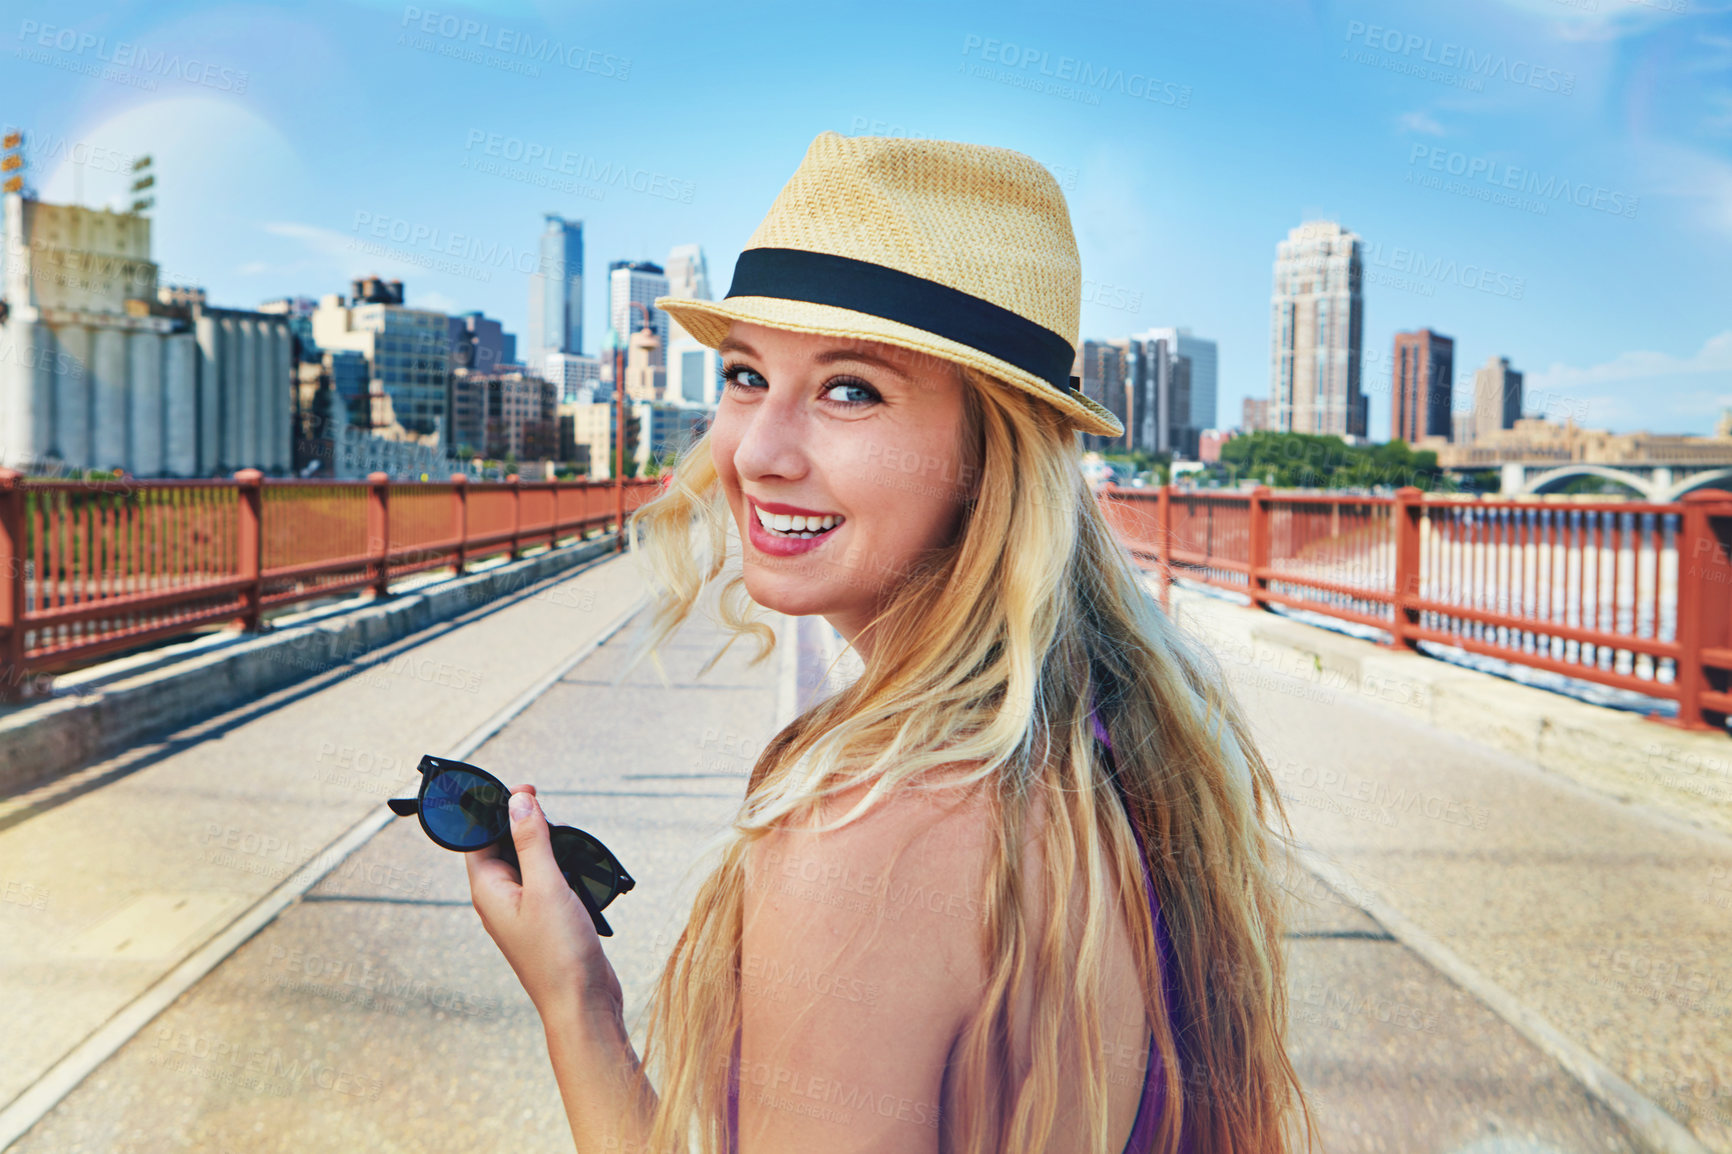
(800, 528)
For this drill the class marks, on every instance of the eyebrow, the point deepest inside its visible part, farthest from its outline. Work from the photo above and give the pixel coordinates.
(829, 356)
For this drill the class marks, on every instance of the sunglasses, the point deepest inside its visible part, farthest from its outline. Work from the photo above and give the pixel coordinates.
(464, 808)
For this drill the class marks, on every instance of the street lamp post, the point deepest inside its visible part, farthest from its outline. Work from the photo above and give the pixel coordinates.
(619, 358)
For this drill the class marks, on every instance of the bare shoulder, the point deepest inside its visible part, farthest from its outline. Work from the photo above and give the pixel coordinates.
(912, 869)
(860, 965)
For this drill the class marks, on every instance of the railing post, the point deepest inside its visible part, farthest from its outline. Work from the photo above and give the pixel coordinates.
(460, 520)
(249, 544)
(516, 510)
(379, 532)
(1409, 505)
(12, 556)
(1163, 543)
(1257, 580)
(1704, 606)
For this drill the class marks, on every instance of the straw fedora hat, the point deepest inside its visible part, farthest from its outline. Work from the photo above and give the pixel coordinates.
(962, 251)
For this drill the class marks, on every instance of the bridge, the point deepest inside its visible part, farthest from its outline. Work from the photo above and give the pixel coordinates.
(217, 938)
(1658, 482)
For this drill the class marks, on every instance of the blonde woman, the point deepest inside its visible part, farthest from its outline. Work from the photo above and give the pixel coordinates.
(1013, 889)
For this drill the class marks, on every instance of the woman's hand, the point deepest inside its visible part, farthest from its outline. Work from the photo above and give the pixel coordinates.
(539, 923)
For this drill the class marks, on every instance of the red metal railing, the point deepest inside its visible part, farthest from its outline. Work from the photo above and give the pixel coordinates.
(1628, 594)
(89, 567)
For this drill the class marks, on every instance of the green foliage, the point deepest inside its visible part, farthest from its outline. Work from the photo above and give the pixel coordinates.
(1152, 466)
(1596, 486)
(1310, 461)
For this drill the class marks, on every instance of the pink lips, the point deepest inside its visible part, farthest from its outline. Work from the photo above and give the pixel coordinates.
(773, 546)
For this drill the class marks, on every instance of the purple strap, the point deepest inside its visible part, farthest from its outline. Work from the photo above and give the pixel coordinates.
(734, 1098)
(1142, 1139)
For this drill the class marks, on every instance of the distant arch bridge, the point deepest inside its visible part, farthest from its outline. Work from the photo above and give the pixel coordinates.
(1659, 483)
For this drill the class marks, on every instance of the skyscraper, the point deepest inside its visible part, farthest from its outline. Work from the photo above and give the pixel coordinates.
(556, 291)
(1201, 353)
(693, 367)
(1315, 329)
(688, 272)
(1101, 365)
(1158, 392)
(641, 281)
(1497, 397)
(408, 353)
(1421, 386)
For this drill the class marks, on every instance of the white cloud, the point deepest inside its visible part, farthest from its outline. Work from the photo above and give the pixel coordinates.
(326, 241)
(1701, 180)
(1420, 121)
(1643, 389)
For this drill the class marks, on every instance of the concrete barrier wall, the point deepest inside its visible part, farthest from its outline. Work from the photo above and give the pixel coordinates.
(1686, 774)
(53, 737)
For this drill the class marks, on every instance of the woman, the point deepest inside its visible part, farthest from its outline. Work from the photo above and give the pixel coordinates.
(1012, 889)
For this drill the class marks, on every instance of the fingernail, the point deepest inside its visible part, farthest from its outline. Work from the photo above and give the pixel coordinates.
(520, 804)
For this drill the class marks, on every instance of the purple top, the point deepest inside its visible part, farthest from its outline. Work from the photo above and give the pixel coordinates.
(1142, 1139)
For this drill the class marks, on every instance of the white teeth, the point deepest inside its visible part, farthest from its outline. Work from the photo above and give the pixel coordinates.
(793, 526)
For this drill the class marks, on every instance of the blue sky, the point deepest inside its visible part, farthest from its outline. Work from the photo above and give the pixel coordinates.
(1547, 180)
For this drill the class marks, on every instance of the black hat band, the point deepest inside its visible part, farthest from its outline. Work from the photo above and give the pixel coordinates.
(823, 278)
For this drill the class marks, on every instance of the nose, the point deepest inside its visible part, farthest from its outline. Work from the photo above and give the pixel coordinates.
(773, 444)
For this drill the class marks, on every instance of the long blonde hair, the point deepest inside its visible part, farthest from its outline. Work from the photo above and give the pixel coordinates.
(989, 654)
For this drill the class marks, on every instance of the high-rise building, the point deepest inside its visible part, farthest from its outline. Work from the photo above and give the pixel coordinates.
(688, 272)
(639, 281)
(1497, 397)
(480, 342)
(693, 368)
(1101, 365)
(1461, 428)
(407, 351)
(1254, 414)
(665, 429)
(99, 371)
(586, 432)
(1421, 386)
(578, 379)
(505, 412)
(1315, 328)
(1148, 387)
(556, 291)
(1202, 354)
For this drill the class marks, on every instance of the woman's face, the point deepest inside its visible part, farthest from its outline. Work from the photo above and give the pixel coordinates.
(862, 440)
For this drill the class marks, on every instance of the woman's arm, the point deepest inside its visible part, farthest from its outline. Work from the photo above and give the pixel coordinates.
(543, 930)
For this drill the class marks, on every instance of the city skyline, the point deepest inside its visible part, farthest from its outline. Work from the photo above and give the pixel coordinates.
(1170, 192)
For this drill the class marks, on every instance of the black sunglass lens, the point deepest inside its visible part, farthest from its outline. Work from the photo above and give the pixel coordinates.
(582, 859)
(466, 810)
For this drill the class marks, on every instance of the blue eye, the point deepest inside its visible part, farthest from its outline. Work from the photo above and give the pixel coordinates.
(731, 377)
(863, 394)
